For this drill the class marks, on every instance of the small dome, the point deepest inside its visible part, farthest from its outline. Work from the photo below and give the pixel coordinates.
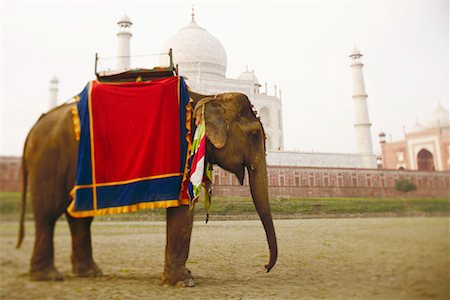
(125, 19)
(440, 118)
(417, 127)
(248, 76)
(196, 50)
(355, 52)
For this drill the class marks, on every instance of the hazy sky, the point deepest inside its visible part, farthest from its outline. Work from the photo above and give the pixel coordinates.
(301, 46)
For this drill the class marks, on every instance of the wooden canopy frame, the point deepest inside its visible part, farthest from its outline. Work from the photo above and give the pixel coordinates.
(138, 74)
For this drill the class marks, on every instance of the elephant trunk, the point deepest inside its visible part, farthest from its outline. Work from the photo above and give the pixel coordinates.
(258, 186)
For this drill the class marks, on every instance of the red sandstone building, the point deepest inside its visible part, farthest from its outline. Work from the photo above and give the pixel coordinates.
(424, 148)
(300, 182)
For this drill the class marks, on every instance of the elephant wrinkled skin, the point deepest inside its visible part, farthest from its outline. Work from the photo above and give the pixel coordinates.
(235, 142)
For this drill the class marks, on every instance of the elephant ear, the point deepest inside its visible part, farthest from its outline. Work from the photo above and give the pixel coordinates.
(216, 123)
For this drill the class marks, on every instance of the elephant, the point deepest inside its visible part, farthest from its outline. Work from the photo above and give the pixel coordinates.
(235, 142)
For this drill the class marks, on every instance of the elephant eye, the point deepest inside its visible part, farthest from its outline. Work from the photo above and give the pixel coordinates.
(255, 136)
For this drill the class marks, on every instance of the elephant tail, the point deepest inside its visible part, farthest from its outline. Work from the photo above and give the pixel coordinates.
(24, 203)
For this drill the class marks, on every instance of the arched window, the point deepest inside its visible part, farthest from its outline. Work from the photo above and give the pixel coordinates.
(425, 160)
(265, 116)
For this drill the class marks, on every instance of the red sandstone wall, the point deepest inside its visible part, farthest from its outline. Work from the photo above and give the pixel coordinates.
(445, 150)
(389, 154)
(289, 182)
(10, 179)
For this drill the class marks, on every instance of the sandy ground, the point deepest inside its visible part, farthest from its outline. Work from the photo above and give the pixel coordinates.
(372, 258)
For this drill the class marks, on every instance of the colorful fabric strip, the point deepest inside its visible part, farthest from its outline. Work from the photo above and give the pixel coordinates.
(201, 170)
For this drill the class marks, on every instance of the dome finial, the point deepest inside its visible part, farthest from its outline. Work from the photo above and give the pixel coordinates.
(193, 13)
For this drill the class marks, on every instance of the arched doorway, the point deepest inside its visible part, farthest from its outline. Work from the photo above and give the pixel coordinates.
(425, 160)
(265, 117)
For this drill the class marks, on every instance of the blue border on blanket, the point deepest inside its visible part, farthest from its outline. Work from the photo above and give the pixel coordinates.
(143, 191)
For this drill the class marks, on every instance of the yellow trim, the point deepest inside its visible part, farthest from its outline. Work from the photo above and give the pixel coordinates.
(115, 83)
(185, 202)
(189, 144)
(121, 209)
(127, 181)
(91, 129)
(76, 122)
(123, 82)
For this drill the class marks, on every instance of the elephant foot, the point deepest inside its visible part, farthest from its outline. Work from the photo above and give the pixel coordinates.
(50, 274)
(179, 278)
(87, 270)
(188, 282)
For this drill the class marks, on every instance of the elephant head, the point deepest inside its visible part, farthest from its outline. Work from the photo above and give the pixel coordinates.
(236, 141)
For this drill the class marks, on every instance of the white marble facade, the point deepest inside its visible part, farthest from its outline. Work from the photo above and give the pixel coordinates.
(321, 159)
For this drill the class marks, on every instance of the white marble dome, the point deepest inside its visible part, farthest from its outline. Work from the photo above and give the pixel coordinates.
(249, 76)
(355, 52)
(196, 50)
(440, 118)
(54, 79)
(125, 20)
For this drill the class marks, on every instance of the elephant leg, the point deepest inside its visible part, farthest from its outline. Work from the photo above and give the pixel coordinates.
(43, 259)
(83, 264)
(178, 234)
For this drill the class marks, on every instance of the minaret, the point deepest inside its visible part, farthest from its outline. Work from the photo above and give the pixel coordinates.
(362, 122)
(53, 92)
(123, 43)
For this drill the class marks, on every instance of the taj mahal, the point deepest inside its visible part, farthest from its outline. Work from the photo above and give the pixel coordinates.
(202, 60)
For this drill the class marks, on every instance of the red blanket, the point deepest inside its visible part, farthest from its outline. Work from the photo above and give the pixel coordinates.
(133, 146)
